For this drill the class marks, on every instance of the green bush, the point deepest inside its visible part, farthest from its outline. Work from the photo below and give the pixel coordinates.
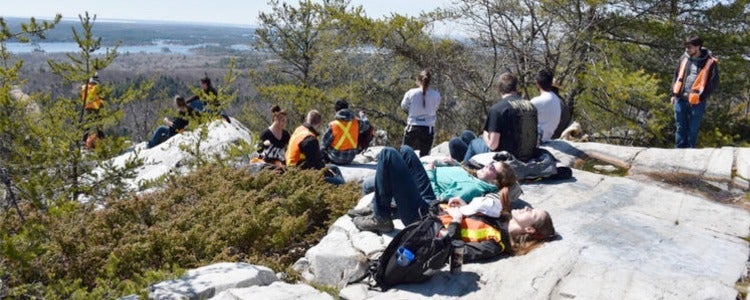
(211, 215)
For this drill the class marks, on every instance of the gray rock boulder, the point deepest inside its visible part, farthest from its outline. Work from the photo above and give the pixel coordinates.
(276, 291)
(207, 281)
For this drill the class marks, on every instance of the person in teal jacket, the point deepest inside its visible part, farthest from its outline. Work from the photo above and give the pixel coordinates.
(449, 179)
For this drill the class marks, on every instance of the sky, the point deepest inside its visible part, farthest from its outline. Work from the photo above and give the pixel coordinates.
(241, 12)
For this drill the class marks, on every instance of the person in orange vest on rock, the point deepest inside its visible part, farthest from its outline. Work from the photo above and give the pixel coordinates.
(92, 103)
(696, 78)
(304, 149)
(341, 139)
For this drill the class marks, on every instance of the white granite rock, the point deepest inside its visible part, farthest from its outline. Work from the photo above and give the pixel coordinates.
(275, 291)
(207, 281)
(334, 261)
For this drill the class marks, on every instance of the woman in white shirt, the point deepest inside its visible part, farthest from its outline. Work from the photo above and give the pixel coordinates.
(422, 104)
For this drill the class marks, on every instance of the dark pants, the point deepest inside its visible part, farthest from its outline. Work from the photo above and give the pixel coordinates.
(458, 145)
(334, 176)
(419, 138)
(688, 120)
(161, 134)
(401, 177)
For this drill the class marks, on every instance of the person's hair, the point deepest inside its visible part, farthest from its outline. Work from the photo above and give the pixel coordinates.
(694, 40)
(206, 80)
(180, 101)
(340, 104)
(314, 118)
(424, 79)
(544, 231)
(506, 177)
(277, 112)
(544, 79)
(507, 83)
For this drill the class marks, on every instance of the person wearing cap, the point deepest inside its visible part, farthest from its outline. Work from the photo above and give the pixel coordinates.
(341, 139)
(695, 79)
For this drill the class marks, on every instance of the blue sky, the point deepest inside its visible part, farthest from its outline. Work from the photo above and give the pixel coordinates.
(243, 12)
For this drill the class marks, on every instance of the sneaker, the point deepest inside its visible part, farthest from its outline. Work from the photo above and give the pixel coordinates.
(373, 223)
(359, 212)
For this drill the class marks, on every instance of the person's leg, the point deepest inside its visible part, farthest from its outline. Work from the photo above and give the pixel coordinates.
(458, 145)
(392, 181)
(368, 185)
(694, 121)
(681, 113)
(426, 144)
(416, 169)
(476, 146)
(160, 135)
(337, 178)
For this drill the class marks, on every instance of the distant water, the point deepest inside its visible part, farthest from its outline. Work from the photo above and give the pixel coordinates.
(159, 47)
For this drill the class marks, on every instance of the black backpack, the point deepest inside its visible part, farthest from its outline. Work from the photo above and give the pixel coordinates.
(431, 251)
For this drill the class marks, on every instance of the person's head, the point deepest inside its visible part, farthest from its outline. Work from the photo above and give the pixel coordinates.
(340, 104)
(693, 45)
(279, 115)
(544, 80)
(528, 227)
(314, 118)
(498, 173)
(179, 101)
(507, 83)
(205, 83)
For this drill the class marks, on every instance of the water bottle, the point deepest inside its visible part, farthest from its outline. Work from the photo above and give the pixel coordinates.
(404, 256)
(457, 258)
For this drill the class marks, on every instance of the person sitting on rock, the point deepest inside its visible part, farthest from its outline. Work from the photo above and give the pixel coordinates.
(341, 139)
(209, 98)
(172, 126)
(275, 139)
(304, 149)
(401, 177)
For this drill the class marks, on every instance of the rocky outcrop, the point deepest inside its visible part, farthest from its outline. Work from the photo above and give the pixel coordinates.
(208, 281)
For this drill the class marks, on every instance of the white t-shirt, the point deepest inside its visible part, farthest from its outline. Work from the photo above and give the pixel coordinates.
(419, 114)
(548, 109)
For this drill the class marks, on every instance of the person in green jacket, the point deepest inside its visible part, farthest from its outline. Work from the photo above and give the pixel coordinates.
(449, 179)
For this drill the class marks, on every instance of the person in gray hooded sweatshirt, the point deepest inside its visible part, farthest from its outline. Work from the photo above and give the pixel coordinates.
(696, 78)
(341, 140)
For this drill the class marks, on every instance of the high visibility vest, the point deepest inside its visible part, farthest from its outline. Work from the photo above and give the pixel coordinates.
(294, 154)
(345, 134)
(700, 82)
(474, 230)
(90, 96)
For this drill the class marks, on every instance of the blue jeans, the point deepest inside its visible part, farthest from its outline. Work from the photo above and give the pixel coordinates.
(400, 176)
(161, 134)
(336, 178)
(688, 120)
(458, 145)
(477, 146)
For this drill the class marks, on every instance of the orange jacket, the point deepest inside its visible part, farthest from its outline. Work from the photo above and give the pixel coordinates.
(90, 96)
(294, 153)
(699, 85)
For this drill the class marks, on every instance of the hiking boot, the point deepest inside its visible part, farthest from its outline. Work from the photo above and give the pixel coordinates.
(373, 223)
(359, 212)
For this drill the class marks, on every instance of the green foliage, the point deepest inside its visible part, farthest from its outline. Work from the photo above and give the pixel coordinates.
(214, 214)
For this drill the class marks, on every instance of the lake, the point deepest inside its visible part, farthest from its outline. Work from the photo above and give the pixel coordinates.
(157, 47)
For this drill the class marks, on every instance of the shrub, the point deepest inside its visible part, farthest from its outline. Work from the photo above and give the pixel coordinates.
(211, 215)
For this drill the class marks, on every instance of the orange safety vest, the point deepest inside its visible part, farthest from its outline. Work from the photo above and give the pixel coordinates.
(90, 96)
(700, 82)
(474, 230)
(345, 134)
(294, 154)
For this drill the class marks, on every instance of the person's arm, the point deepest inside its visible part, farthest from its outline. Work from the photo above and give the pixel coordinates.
(328, 137)
(406, 102)
(313, 157)
(492, 139)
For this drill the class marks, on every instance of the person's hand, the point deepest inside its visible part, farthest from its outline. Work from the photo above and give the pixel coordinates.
(267, 143)
(455, 214)
(448, 160)
(672, 100)
(456, 202)
(167, 121)
(429, 166)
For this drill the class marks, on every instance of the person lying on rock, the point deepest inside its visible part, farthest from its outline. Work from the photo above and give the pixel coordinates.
(401, 177)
